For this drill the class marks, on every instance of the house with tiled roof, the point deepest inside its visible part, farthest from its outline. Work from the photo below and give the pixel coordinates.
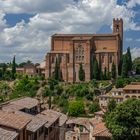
(21, 119)
(100, 132)
(79, 129)
(14, 122)
(131, 90)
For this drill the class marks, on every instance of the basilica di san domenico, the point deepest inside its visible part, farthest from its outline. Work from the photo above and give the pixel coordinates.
(75, 49)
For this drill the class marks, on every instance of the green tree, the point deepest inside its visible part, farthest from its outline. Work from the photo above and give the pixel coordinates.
(105, 74)
(120, 66)
(52, 83)
(96, 72)
(13, 68)
(124, 72)
(76, 108)
(113, 71)
(57, 70)
(94, 107)
(81, 73)
(129, 59)
(136, 65)
(124, 121)
(111, 105)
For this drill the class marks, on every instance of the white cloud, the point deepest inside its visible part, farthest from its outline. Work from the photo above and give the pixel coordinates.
(135, 52)
(32, 40)
(132, 3)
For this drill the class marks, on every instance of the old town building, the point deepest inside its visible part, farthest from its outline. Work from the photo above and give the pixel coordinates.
(120, 94)
(75, 49)
(24, 119)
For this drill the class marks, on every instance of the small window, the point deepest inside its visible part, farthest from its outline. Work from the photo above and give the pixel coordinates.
(110, 59)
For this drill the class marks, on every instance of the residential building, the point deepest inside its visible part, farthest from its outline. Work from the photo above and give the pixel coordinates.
(116, 94)
(78, 129)
(25, 121)
(14, 122)
(8, 134)
(74, 49)
(132, 90)
(100, 132)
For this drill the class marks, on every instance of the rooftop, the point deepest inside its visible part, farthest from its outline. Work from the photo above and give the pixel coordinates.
(35, 124)
(12, 120)
(26, 102)
(101, 130)
(132, 86)
(117, 90)
(88, 35)
(80, 121)
(7, 135)
(49, 115)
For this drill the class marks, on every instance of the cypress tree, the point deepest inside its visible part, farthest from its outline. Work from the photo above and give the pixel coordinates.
(81, 73)
(124, 72)
(101, 76)
(120, 66)
(113, 71)
(129, 59)
(96, 73)
(57, 71)
(105, 74)
(13, 68)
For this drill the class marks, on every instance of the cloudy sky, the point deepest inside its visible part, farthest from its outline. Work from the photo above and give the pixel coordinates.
(26, 25)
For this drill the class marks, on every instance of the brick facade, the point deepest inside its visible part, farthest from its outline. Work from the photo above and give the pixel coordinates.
(73, 49)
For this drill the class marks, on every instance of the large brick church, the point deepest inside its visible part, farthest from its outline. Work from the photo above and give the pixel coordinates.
(73, 49)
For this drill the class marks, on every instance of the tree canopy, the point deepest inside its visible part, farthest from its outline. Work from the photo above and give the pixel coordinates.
(76, 108)
(124, 121)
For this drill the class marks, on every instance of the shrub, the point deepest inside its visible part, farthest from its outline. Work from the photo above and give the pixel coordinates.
(76, 108)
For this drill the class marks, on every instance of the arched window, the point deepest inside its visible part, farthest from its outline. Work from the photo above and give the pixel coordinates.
(79, 54)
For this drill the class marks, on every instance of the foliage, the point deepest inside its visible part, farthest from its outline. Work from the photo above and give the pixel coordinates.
(136, 65)
(57, 71)
(52, 83)
(121, 82)
(124, 72)
(25, 87)
(129, 59)
(113, 71)
(94, 107)
(47, 91)
(105, 74)
(13, 68)
(111, 105)
(124, 121)
(81, 73)
(76, 108)
(96, 72)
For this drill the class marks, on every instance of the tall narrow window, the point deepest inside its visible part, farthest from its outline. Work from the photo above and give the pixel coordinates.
(79, 54)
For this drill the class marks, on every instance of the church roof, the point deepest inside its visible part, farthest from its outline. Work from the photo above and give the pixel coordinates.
(85, 35)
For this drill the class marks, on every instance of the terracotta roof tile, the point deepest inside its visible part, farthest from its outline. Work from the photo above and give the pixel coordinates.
(80, 121)
(101, 130)
(26, 102)
(7, 135)
(132, 87)
(12, 120)
(35, 124)
(49, 115)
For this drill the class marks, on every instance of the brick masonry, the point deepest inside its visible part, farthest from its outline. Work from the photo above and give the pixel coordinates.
(73, 49)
